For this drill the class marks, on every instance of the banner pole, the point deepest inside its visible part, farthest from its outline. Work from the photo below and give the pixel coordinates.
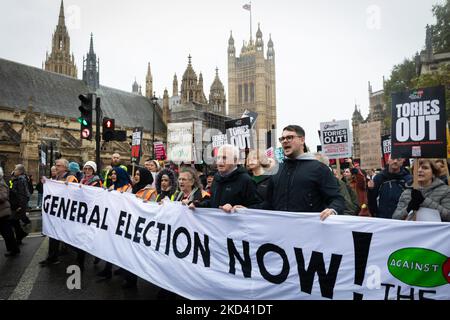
(338, 168)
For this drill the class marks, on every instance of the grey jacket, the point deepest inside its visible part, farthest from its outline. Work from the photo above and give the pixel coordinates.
(5, 208)
(437, 196)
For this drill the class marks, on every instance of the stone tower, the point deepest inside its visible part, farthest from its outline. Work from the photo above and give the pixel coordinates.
(191, 89)
(166, 111)
(251, 81)
(91, 72)
(149, 83)
(217, 98)
(175, 86)
(60, 60)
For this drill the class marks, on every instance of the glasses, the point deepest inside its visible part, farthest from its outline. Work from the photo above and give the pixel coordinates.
(287, 138)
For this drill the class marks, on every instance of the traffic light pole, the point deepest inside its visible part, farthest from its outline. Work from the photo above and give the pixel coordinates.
(98, 120)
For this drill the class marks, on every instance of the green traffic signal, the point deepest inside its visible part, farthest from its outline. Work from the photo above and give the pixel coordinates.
(82, 121)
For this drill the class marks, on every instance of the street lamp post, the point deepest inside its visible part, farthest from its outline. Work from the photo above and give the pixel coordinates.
(154, 100)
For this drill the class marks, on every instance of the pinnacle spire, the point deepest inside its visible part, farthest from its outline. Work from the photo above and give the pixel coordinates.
(91, 46)
(61, 20)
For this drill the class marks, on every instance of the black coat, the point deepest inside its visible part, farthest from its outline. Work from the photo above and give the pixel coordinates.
(262, 185)
(237, 188)
(305, 185)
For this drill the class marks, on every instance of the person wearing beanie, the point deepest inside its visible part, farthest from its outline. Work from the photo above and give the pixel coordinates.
(90, 177)
(74, 169)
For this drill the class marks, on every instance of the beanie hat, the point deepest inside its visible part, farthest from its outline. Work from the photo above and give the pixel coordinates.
(74, 167)
(91, 164)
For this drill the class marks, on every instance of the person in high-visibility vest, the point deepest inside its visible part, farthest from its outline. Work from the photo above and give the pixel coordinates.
(142, 188)
(190, 187)
(166, 185)
(120, 180)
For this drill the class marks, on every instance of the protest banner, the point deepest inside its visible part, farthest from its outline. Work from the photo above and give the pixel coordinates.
(386, 148)
(239, 134)
(160, 151)
(180, 142)
(370, 141)
(419, 123)
(136, 149)
(252, 254)
(335, 139)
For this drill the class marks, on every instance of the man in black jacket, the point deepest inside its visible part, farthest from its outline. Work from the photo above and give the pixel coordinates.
(302, 184)
(232, 185)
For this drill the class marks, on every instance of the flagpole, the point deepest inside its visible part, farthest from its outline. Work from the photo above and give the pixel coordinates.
(250, 21)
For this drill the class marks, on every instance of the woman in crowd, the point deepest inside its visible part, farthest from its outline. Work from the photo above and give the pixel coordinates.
(154, 167)
(441, 165)
(258, 163)
(90, 177)
(142, 188)
(120, 180)
(356, 180)
(190, 187)
(166, 185)
(432, 193)
(5, 226)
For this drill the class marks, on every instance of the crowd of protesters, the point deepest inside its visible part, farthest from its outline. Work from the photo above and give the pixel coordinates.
(303, 182)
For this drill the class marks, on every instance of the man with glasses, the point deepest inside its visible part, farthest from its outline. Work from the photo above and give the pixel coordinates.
(302, 184)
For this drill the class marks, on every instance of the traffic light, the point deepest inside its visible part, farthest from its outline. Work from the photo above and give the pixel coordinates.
(85, 118)
(108, 129)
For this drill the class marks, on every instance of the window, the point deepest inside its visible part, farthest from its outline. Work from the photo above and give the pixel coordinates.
(240, 93)
(252, 92)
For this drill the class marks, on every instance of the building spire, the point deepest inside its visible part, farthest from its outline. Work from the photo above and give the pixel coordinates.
(61, 20)
(189, 59)
(91, 45)
(149, 82)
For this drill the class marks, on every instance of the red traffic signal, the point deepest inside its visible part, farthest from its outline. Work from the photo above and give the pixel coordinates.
(108, 129)
(109, 123)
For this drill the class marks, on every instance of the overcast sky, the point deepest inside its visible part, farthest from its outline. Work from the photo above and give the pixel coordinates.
(326, 51)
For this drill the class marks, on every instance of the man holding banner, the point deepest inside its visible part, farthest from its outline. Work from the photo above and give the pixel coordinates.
(302, 184)
(232, 185)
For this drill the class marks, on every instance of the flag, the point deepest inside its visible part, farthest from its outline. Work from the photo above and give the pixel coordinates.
(247, 6)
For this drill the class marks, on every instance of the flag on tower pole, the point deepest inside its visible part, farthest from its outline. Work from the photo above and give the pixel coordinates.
(247, 6)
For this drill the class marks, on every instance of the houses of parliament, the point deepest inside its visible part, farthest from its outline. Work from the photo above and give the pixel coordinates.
(40, 106)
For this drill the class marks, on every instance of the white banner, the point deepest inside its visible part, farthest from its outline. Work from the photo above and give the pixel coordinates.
(335, 139)
(179, 142)
(208, 254)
